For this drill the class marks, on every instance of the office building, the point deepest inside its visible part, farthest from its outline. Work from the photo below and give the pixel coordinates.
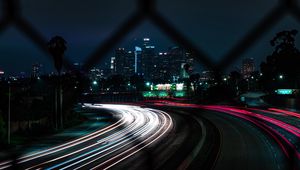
(248, 67)
(36, 70)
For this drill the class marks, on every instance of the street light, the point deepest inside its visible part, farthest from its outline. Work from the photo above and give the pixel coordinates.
(95, 82)
(280, 77)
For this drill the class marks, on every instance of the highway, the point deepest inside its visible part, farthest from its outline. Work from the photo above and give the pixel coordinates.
(250, 138)
(172, 135)
(135, 129)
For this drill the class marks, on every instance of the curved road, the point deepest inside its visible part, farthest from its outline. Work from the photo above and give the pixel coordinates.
(244, 146)
(136, 129)
(196, 137)
(248, 140)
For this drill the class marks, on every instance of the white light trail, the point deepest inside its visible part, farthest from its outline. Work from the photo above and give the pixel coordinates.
(136, 129)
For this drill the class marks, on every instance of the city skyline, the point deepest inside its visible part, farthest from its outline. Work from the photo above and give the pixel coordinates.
(206, 28)
(158, 51)
(149, 84)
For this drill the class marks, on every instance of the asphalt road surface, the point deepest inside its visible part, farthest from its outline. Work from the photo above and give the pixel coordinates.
(136, 129)
(168, 135)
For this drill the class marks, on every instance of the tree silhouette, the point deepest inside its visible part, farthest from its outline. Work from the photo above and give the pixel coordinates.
(138, 82)
(283, 61)
(116, 82)
(188, 68)
(234, 81)
(57, 47)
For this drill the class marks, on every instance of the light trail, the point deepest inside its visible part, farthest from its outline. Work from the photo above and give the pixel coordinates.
(72, 143)
(261, 121)
(290, 113)
(136, 129)
(169, 126)
(119, 139)
(264, 122)
(139, 137)
(290, 128)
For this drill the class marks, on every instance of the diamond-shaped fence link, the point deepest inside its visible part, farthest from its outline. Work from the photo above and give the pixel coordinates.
(146, 10)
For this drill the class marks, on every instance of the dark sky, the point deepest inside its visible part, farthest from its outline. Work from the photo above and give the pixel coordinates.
(215, 26)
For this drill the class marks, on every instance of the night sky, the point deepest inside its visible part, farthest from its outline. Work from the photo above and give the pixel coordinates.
(214, 26)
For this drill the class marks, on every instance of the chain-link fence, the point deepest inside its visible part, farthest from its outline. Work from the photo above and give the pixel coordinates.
(147, 10)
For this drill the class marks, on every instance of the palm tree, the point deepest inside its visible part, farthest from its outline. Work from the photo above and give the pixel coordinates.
(57, 47)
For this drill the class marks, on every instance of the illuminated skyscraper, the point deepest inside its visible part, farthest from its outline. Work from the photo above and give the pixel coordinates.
(95, 74)
(248, 67)
(177, 59)
(207, 76)
(137, 60)
(124, 62)
(129, 64)
(120, 54)
(161, 65)
(113, 65)
(147, 59)
(36, 70)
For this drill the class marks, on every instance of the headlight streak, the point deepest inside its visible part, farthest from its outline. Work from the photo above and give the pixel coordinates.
(64, 146)
(128, 120)
(150, 126)
(5, 164)
(168, 128)
(140, 128)
(122, 139)
(5, 167)
(121, 143)
(72, 143)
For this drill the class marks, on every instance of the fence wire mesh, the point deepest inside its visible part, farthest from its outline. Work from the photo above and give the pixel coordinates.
(147, 10)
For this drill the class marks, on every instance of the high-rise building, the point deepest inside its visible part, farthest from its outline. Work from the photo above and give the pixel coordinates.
(96, 74)
(147, 59)
(161, 65)
(120, 55)
(177, 58)
(124, 62)
(129, 64)
(207, 76)
(113, 65)
(36, 70)
(106, 68)
(138, 60)
(166, 66)
(77, 66)
(248, 67)
(190, 59)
